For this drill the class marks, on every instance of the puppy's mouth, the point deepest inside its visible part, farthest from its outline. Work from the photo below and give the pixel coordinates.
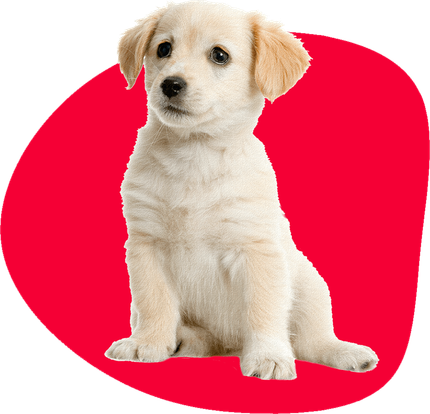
(173, 109)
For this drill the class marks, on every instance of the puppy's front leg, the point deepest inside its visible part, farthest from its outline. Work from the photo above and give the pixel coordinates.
(155, 313)
(267, 352)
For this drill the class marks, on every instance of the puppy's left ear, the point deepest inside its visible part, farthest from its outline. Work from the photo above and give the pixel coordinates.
(280, 58)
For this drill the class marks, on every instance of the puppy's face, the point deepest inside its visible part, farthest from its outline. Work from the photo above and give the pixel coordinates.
(208, 67)
(199, 67)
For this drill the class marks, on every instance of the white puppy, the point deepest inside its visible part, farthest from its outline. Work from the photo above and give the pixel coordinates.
(213, 268)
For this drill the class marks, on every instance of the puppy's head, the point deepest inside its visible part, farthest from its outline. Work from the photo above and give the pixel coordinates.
(207, 66)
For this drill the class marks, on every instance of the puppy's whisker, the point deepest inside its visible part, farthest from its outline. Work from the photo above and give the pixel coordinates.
(155, 138)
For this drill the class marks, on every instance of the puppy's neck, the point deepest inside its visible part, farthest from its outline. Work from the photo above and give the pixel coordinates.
(227, 135)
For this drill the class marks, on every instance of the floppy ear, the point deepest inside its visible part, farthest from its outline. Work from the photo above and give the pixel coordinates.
(280, 58)
(133, 44)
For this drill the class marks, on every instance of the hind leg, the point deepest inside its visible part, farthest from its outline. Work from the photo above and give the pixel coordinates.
(313, 338)
(196, 342)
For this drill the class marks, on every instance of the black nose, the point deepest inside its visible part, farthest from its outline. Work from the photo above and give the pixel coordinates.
(173, 85)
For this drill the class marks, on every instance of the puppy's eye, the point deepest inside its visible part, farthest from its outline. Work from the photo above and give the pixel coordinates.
(219, 56)
(164, 50)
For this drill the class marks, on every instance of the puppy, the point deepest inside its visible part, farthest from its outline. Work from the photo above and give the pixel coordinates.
(213, 267)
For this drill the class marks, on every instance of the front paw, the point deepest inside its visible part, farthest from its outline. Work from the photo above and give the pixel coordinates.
(267, 366)
(132, 349)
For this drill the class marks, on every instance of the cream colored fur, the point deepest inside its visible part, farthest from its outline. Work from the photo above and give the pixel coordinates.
(213, 267)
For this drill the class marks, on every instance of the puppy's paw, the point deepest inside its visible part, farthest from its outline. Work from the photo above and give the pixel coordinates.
(130, 349)
(352, 357)
(268, 366)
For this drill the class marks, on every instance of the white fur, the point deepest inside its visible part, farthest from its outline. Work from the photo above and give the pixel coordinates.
(213, 267)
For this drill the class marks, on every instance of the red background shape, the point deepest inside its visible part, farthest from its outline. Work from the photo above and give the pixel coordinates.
(349, 144)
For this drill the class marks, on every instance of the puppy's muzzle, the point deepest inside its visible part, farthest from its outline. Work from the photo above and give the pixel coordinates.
(173, 86)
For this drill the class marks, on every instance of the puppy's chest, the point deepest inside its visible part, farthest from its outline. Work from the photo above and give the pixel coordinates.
(180, 198)
(190, 211)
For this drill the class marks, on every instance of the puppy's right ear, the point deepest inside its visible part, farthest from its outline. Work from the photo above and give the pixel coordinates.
(133, 44)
